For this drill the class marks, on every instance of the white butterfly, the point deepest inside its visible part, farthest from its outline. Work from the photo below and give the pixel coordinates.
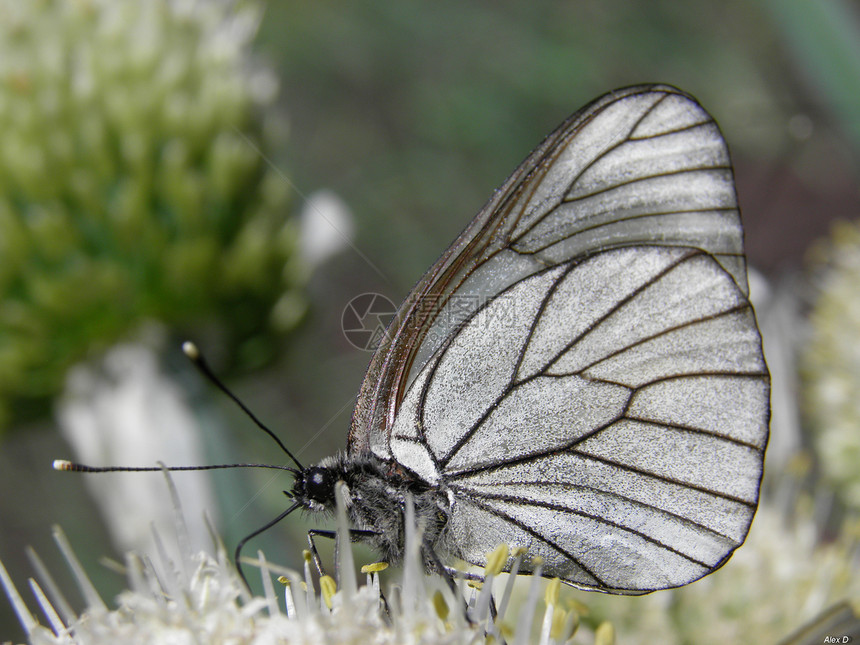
(581, 372)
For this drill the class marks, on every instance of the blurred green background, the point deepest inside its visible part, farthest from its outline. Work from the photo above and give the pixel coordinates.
(413, 113)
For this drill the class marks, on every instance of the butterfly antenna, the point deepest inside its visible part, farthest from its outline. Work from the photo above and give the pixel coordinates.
(191, 351)
(71, 466)
(238, 552)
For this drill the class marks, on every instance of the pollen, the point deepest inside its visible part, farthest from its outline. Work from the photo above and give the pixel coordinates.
(497, 559)
(328, 587)
(551, 593)
(440, 605)
(374, 567)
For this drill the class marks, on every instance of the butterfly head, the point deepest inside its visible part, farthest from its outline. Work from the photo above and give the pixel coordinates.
(315, 485)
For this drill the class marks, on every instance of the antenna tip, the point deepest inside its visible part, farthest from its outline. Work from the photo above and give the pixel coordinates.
(62, 464)
(190, 350)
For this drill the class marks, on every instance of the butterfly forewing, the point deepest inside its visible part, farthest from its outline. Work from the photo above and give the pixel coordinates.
(582, 368)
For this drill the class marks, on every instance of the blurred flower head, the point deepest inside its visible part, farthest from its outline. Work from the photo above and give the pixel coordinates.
(326, 227)
(135, 184)
(830, 363)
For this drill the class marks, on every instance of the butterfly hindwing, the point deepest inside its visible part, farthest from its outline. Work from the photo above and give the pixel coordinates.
(594, 416)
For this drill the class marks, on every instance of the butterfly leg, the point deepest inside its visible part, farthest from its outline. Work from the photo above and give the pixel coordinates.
(446, 572)
(455, 573)
(354, 535)
(449, 573)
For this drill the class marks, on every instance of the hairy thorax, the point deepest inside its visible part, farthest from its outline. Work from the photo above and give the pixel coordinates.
(376, 499)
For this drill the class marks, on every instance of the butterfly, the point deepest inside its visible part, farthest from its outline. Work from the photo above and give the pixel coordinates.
(580, 373)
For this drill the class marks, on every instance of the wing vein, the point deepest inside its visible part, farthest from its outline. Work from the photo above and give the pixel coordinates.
(662, 332)
(617, 306)
(636, 180)
(698, 431)
(552, 544)
(571, 448)
(600, 491)
(686, 128)
(626, 218)
(671, 480)
(596, 518)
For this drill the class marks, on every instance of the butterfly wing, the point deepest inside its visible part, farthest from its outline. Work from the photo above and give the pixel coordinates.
(582, 367)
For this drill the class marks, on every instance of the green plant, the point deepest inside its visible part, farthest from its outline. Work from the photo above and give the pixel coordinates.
(134, 184)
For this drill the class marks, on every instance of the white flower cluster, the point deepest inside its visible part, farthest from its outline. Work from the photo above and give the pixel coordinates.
(201, 599)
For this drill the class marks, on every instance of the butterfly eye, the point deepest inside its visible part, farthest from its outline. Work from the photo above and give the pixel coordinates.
(319, 484)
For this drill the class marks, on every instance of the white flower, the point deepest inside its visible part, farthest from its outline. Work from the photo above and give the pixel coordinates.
(123, 410)
(326, 227)
(199, 598)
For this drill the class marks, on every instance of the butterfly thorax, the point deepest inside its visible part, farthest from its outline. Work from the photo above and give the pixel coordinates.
(376, 497)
